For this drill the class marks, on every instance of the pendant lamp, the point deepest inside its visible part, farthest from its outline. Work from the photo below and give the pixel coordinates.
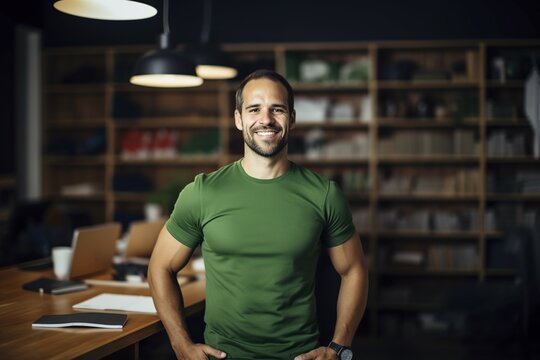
(212, 63)
(106, 9)
(165, 67)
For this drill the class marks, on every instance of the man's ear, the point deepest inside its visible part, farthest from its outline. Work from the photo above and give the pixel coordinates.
(238, 120)
(292, 120)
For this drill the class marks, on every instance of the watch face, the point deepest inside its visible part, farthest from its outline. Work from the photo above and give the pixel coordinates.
(346, 354)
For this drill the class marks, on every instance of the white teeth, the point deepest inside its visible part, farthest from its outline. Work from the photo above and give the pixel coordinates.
(265, 133)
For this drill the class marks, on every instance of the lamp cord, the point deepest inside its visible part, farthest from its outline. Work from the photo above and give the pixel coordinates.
(166, 16)
(207, 20)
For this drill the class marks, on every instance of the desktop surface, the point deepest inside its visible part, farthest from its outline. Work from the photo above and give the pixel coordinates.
(19, 308)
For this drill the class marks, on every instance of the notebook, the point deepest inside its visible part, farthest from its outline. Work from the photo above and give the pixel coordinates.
(93, 249)
(53, 286)
(106, 301)
(90, 319)
(142, 238)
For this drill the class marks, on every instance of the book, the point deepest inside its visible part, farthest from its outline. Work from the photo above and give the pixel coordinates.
(53, 286)
(105, 301)
(90, 319)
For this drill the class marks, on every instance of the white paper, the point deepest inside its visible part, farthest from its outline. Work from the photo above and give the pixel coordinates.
(135, 303)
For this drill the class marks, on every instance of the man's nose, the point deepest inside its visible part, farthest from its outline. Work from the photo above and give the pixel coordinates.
(266, 117)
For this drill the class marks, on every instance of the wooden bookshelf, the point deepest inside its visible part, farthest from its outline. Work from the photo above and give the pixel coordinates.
(446, 87)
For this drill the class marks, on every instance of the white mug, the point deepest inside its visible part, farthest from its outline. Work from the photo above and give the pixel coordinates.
(152, 211)
(61, 257)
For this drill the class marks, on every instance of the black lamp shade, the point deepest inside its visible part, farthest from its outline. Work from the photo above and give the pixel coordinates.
(165, 68)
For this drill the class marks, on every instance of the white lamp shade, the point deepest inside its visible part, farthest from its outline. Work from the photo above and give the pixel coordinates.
(106, 9)
(166, 80)
(216, 72)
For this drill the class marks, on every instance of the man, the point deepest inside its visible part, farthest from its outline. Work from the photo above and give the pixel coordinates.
(261, 223)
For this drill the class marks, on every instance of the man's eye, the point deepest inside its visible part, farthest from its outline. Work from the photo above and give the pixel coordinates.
(253, 110)
(278, 110)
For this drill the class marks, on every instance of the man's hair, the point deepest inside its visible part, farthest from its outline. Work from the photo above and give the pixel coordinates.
(264, 74)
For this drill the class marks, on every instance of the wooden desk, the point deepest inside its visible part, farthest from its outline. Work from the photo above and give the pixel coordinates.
(19, 308)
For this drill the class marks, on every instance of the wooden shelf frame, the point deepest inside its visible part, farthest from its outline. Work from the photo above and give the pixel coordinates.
(111, 162)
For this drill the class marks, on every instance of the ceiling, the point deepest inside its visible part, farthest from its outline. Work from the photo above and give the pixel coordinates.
(299, 20)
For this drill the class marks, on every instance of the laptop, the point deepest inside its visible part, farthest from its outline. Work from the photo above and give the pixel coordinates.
(142, 238)
(93, 249)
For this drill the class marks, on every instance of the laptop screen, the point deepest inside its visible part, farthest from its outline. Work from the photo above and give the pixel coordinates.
(93, 249)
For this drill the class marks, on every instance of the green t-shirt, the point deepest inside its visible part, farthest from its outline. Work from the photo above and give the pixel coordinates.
(261, 241)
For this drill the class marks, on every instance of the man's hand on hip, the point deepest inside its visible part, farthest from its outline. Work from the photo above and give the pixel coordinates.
(321, 353)
(198, 352)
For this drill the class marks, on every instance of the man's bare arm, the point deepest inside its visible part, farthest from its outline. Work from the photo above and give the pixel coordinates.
(168, 258)
(348, 260)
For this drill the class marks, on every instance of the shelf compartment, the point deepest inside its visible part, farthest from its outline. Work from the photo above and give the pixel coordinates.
(424, 84)
(343, 68)
(525, 160)
(338, 125)
(65, 68)
(357, 196)
(429, 197)
(513, 197)
(136, 197)
(83, 106)
(428, 159)
(168, 122)
(54, 160)
(426, 272)
(331, 86)
(427, 123)
(430, 235)
(99, 197)
(165, 103)
(178, 160)
(507, 123)
(307, 161)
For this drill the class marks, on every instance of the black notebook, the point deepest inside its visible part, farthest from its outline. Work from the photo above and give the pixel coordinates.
(52, 286)
(87, 319)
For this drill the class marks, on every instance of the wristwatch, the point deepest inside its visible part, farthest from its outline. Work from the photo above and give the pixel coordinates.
(343, 352)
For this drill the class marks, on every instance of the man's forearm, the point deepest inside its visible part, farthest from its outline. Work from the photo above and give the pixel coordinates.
(351, 304)
(169, 303)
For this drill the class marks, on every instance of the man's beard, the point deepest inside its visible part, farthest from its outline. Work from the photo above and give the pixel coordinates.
(271, 152)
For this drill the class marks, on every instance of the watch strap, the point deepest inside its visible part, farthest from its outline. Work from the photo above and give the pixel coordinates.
(337, 347)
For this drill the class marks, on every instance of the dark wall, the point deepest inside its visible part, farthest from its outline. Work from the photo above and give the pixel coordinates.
(12, 15)
(7, 98)
(303, 20)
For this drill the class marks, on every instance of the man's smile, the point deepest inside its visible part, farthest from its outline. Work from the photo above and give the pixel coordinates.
(266, 134)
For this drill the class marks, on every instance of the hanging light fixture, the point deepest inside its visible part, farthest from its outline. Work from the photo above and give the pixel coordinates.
(106, 9)
(165, 67)
(212, 63)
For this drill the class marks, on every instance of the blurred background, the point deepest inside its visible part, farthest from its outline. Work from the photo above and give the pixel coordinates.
(425, 113)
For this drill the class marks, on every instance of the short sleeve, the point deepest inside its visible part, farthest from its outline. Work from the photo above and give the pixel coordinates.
(339, 226)
(184, 222)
